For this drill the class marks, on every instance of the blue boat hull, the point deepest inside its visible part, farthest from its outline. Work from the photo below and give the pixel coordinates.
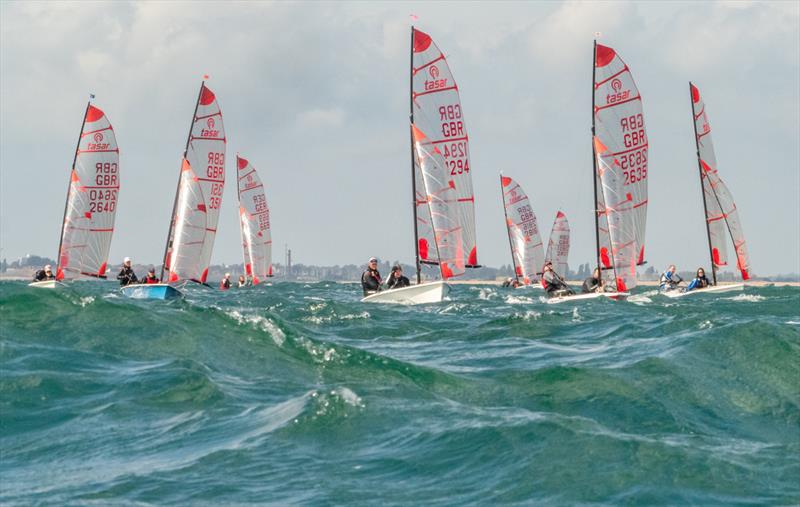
(151, 291)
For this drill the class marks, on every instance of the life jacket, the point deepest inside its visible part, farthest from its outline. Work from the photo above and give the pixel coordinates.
(148, 280)
(225, 284)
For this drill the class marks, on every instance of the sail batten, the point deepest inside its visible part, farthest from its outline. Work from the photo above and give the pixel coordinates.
(722, 216)
(91, 204)
(204, 160)
(436, 111)
(254, 223)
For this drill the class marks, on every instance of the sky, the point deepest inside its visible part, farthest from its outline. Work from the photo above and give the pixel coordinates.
(315, 95)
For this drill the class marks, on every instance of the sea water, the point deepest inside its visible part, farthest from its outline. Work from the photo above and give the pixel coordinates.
(299, 394)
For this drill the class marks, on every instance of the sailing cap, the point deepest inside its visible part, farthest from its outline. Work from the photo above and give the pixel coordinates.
(151, 269)
(127, 259)
(227, 275)
(373, 259)
(48, 268)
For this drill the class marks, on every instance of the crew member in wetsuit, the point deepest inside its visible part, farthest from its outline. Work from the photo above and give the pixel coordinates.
(669, 279)
(150, 277)
(553, 283)
(594, 283)
(700, 281)
(126, 275)
(396, 279)
(225, 283)
(371, 278)
(44, 274)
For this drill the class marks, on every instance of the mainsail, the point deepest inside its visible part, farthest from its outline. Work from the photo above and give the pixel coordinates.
(441, 195)
(618, 121)
(436, 110)
(205, 156)
(91, 200)
(254, 221)
(191, 226)
(527, 252)
(558, 246)
(722, 218)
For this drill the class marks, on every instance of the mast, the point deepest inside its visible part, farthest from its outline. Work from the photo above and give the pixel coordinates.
(594, 164)
(178, 189)
(413, 172)
(69, 185)
(702, 191)
(508, 230)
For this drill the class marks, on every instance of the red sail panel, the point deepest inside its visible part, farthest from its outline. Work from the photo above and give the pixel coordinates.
(558, 245)
(254, 222)
(721, 213)
(441, 195)
(92, 200)
(523, 231)
(619, 123)
(437, 112)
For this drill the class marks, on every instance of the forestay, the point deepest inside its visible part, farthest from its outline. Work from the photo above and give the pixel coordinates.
(558, 245)
(619, 123)
(91, 201)
(437, 111)
(527, 251)
(441, 194)
(721, 214)
(205, 154)
(619, 215)
(254, 221)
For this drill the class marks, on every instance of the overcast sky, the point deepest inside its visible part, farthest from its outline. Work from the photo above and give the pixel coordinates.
(315, 95)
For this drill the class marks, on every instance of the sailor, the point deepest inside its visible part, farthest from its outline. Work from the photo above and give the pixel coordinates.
(396, 279)
(371, 278)
(151, 276)
(126, 275)
(554, 285)
(669, 279)
(44, 274)
(242, 281)
(700, 281)
(507, 282)
(594, 283)
(225, 283)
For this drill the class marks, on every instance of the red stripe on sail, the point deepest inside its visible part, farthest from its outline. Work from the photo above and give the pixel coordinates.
(422, 41)
(603, 55)
(93, 114)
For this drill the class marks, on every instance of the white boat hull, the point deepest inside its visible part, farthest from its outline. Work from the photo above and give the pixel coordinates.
(593, 295)
(46, 284)
(714, 289)
(431, 292)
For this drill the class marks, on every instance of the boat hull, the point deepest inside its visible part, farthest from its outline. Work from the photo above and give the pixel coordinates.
(151, 291)
(593, 295)
(716, 289)
(425, 293)
(46, 284)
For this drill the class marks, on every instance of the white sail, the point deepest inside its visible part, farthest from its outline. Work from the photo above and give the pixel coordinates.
(191, 228)
(91, 202)
(558, 245)
(442, 198)
(255, 224)
(437, 111)
(527, 251)
(619, 124)
(722, 216)
(205, 155)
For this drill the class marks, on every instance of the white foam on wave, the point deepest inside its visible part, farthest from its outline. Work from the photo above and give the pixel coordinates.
(706, 325)
(518, 300)
(322, 319)
(641, 299)
(750, 298)
(576, 317)
(263, 323)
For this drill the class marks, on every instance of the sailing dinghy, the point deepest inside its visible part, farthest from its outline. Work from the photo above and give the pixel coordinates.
(527, 250)
(91, 204)
(722, 217)
(619, 174)
(195, 211)
(440, 143)
(254, 223)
